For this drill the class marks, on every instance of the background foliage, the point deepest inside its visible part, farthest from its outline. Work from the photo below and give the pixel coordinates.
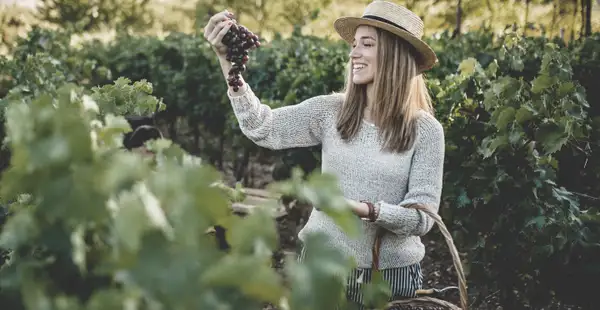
(522, 175)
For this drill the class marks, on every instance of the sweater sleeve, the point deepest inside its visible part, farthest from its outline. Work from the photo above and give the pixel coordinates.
(299, 125)
(424, 184)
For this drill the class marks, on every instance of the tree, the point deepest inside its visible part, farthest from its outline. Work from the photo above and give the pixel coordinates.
(263, 15)
(93, 14)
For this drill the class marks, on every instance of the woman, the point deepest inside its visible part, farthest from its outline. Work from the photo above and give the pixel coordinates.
(379, 137)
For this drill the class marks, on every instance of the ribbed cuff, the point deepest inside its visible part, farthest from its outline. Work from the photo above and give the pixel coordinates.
(397, 218)
(242, 100)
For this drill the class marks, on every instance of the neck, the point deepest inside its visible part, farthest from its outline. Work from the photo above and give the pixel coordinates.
(370, 99)
(370, 95)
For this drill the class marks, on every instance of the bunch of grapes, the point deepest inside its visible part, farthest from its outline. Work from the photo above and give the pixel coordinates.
(238, 41)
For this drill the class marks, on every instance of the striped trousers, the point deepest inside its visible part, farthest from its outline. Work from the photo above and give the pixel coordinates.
(403, 281)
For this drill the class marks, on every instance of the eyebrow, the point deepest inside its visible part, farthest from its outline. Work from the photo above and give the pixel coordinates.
(366, 37)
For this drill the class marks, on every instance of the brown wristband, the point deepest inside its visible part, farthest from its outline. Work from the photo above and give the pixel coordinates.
(372, 216)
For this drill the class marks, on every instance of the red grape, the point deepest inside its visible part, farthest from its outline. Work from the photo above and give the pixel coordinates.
(239, 40)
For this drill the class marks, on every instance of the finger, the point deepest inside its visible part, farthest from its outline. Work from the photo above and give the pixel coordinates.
(216, 29)
(228, 14)
(212, 22)
(219, 36)
(215, 19)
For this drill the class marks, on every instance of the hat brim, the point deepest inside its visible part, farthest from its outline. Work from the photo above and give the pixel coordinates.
(346, 28)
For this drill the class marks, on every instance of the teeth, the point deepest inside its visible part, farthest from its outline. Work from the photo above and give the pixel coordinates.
(358, 67)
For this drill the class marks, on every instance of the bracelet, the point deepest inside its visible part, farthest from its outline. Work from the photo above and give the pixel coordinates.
(373, 212)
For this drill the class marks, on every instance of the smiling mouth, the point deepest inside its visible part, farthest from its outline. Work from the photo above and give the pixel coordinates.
(357, 68)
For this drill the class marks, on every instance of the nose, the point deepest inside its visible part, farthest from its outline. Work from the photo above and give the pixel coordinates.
(354, 53)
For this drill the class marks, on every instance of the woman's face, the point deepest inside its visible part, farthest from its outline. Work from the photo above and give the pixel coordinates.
(364, 55)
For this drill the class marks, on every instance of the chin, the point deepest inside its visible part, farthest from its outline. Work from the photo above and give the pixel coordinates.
(360, 81)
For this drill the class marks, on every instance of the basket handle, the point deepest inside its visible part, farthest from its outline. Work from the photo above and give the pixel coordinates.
(462, 282)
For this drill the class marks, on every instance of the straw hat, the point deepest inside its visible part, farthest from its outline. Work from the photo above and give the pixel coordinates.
(395, 19)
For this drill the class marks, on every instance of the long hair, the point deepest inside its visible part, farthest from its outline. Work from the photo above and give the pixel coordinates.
(399, 90)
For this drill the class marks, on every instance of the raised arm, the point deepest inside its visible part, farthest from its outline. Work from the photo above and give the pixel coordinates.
(299, 125)
(424, 185)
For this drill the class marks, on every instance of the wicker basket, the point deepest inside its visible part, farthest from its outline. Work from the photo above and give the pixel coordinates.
(426, 302)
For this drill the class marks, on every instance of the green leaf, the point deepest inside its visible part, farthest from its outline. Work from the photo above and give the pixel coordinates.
(490, 100)
(515, 136)
(504, 85)
(34, 294)
(252, 275)
(131, 221)
(492, 68)
(79, 248)
(377, 292)
(590, 215)
(462, 199)
(321, 191)
(166, 271)
(467, 67)
(120, 171)
(538, 221)
(319, 281)
(19, 229)
(563, 195)
(523, 114)
(111, 299)
(489, 145)
(552, 137)
(112, 133)
(263, 239)
(565, 88)
(541, 83)
(506, 116)
(517, 64)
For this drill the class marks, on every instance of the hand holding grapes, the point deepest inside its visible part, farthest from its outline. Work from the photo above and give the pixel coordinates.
(231, 42)
(218, 25)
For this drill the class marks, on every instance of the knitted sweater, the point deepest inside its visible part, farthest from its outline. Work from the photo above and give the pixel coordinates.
(363, 171)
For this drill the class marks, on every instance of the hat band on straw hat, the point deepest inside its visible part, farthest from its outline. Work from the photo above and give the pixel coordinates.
(383, 20)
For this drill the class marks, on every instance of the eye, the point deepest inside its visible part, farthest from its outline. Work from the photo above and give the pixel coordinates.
(368, 43)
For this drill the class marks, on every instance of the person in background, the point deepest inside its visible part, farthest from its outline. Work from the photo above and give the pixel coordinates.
(143, 130)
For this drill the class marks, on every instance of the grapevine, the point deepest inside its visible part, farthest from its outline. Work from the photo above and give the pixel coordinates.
(239, 40)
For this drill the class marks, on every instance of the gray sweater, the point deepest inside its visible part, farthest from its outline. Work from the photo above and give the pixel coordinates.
(363, 172)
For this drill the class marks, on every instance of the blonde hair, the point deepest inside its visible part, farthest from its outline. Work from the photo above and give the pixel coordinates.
(400, 92)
